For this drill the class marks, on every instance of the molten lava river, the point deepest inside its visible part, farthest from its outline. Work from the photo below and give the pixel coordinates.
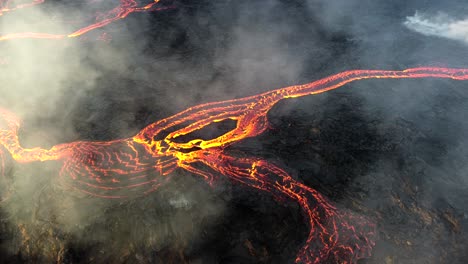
(120, 168)
(143, 163)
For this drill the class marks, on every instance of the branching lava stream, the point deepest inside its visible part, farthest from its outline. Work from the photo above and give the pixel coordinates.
(141, 164)
(121, 11)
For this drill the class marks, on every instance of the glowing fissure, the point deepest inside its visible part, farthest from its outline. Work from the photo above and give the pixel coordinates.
(121, 11)
(141, 164)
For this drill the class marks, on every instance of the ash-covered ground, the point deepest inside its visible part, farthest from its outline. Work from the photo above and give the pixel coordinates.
(393, 150)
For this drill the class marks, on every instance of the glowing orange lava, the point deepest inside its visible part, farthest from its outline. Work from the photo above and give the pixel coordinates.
(121, 11)
(11, 5)
(142, 163)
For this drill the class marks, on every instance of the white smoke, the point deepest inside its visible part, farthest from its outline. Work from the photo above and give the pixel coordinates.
(440, 25)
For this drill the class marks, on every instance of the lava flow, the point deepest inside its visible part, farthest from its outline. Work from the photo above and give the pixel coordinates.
(142, 163)
(121, 11)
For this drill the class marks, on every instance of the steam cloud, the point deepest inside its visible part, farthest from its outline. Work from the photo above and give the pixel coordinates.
(441, 25)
